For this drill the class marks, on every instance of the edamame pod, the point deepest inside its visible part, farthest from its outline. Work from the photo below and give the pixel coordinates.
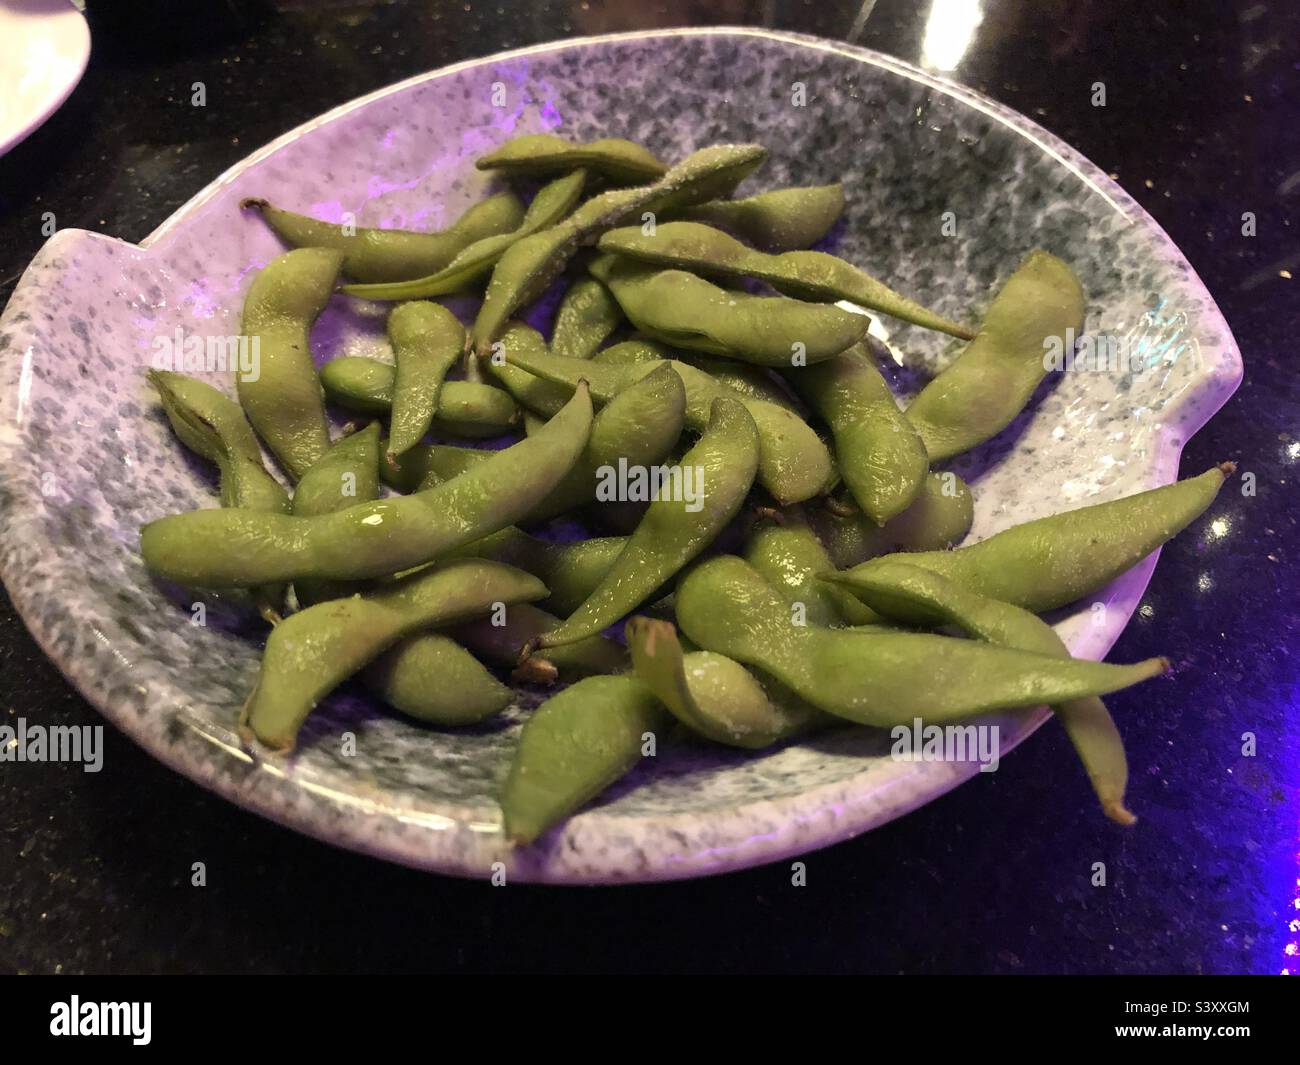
(503, 644)
(788, 553)
(528, 267)
(794, 464)
(213, 548)
(880, 456)
(530, 392)
(807, 275)
(312, 652)
(282, 397)
(551, 204)
(1054, 561)
(426, 465)
(347, 474)
(752, 382)
(587, 315)
(635, 430)
(543, 154)
(212, 425)
(394, 254)
(577, 743)
(464, 408)
(433, 679)
(917, 596)
(939, 517)
(572, 570)
(777, 221)
(427, 340)
(713, 479)
(713, 694)
(990, 382)
(686, 311)
(882, 679)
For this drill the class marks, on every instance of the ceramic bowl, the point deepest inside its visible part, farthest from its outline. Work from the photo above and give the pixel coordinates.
(946, 190)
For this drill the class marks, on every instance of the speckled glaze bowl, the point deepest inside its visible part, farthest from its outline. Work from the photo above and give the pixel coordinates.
(86, 457)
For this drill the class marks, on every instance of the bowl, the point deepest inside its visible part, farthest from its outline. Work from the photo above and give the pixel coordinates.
(946, 191)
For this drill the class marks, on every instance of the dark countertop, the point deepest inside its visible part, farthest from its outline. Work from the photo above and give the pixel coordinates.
(1200, 126)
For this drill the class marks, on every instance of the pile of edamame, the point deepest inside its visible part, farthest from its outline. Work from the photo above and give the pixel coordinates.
(798, 564)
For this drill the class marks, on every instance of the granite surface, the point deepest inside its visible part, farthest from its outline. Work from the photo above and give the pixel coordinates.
(97, 875)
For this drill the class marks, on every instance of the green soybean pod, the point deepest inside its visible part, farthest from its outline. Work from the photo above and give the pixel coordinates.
(212, 548)
(806, 275)
(212, 425)
(752, 382)
(794, 464)
(394, 254)
(586, 317)
(879, 455)
(712, 694)
(503, 644)
(474, 261)
(1054, 561)
(529, 391)
(578, 742)
(679, 523)
(687, 311)
(879, 678)
(310, 653)
(788, 553)
(431, 678)
(637, 428)
(543, 154)
(528, 266)
(464, 408)
(282, 398)
(938, 518)
(347, 474)
(993, 378)
(776, 221)
(427, 340)
(571, 570)
(426, 465)
(917, 596)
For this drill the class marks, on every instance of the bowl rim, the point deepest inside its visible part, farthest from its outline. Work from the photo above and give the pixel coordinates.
(808, 820)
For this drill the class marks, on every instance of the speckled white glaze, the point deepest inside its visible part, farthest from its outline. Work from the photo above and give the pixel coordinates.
(85, 457)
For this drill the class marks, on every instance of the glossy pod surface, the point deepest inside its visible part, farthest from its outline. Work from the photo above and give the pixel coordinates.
(794, 464)
(877, 678)
(576, 744)
(282, 398)
(990, 382)
(387, 536)
(687, 311)
(1052, 562)
(375, 255)
(313, 651)
(711, 694)
(464, 408)
(808, 275)
(526, 269)
(880, 457)
(427, 340)
(776, 221)
(713, 479)
(918, 596)
(542, 154)
(475, 260)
